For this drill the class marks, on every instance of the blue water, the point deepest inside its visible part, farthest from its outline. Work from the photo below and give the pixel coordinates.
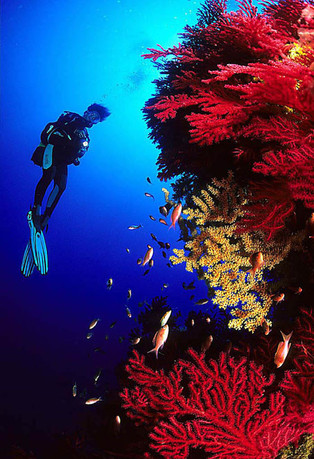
(59, 56)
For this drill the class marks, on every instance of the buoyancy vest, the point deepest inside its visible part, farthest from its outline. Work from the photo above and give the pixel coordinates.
(69, 138)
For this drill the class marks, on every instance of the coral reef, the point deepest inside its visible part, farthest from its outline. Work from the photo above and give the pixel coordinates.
(238, 94)
(223, 255)
(219, 407)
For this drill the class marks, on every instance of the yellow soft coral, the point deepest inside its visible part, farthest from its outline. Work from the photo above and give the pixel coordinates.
(223, 255)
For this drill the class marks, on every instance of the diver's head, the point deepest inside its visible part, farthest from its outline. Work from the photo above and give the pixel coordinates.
(96, 113)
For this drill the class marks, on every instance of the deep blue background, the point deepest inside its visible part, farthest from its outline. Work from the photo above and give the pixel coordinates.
(60, 56)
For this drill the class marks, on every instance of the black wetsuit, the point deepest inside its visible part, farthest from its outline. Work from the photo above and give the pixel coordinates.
(70, 141)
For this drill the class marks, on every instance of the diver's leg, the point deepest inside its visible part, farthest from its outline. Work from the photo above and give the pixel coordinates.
(60, 182)
(40, 191)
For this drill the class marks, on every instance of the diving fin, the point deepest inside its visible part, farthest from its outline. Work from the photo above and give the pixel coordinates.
(28, 264)
(38, 245)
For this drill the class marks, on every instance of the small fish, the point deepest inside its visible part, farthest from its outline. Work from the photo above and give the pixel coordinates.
(109, 283)
(149, 195)
(154, 237)
(206, 343)
(146, 272)
(117, 425)
(164, 254)
(151, 263)
(165, 318)
(139, 261)
(257, 261)
(175, 215)
(134, 227)
(113, 324)
(135, 341)
(208, 320)
(167, 245)
(282, 349)
(201, 301)
(152, 218)
(92, 401)
(310, 226)
(97, 376)
(128, 313)
(192, 322)
(148, 179)
(161, 244)
(164, 210)
(265, 327)
(129, 294)
(164, 286)
(296, 290)
(159, 339)
(189, 286)
(162, 220)
(128, 250)
(278, 298)
(169, 265)
(106, 337)
(99, 349)
(89, 335)
(148, 255)
(192, 297)
(74, 390)
(93, 324)
(121, 339)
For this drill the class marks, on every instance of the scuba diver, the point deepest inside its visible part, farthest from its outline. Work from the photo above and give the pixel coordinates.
(63, 142)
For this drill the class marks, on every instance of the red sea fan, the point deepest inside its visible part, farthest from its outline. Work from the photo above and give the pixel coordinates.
(298, 385)
(243, 81)
(219, 407)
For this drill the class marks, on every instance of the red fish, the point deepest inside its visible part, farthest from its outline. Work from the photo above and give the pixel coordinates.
(265, 327)
(148, 255)
(206, 343)
(279, 297)
(257, 261)
(282, 349)
(175, 215)
(159, 339)
(310, 226)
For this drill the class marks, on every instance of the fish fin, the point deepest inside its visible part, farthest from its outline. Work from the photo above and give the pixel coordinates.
(154, 350)
(155, 337)
(286, 337)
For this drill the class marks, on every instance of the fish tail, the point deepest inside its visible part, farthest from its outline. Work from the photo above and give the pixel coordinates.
(252, 271)
(154, 350)
(286, 337)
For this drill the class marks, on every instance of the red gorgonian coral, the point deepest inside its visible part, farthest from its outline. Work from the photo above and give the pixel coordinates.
(238, 93)
(219, 407)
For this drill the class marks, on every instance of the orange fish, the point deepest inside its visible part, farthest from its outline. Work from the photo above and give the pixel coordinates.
(279, 297)
(265, 327)
(159, 339)
(148, 255)
(257, 261)
(206, 343)
(175, 215)
(162, 220)
(92, 401)
(282, 350)
(310, 226)
(296, 290)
